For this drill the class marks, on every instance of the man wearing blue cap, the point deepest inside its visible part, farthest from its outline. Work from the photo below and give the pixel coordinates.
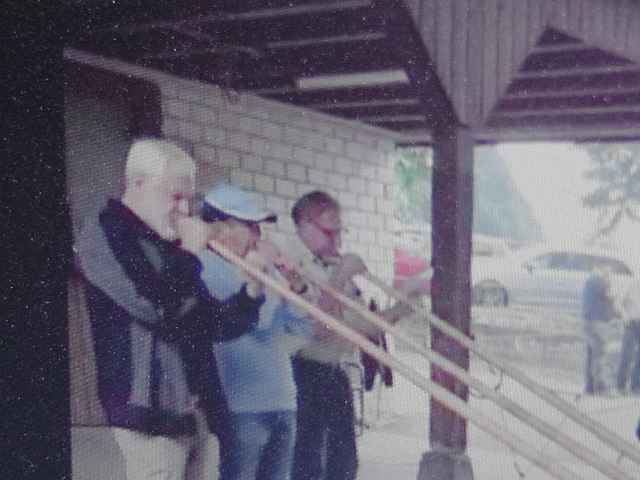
(258, 437)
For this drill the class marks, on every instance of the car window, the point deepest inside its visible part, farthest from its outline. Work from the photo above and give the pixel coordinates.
(541, 261)
(560, 261)
(615, 266)
(580, 262)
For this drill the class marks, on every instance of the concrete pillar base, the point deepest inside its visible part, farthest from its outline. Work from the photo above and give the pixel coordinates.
(445, 465)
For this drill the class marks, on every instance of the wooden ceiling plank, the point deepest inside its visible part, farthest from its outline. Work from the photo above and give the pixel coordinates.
(566, 121)
(306, 28)
(601, 133)
(366, 112)
(561, 47)
(567, 111)
(583, 92)
(345, 94)
(564, 72)
(289, 10)
(391, 118)
(370, 103)
(409, 48)
(401, 127)
(265, 13)
(570, 102)
(303, 42)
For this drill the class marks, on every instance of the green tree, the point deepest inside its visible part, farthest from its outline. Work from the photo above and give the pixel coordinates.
(615, 169)
(499, 209)
(412, 168)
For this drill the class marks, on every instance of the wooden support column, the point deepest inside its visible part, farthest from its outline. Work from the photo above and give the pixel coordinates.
(452, 214)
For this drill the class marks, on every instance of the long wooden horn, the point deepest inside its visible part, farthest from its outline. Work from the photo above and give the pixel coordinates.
(599, 430)
(439, 393)
(579, 450)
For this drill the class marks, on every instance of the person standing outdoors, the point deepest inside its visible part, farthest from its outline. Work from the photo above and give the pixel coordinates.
(146, 303)
(629, 366)
(597, 310)
(326, 441)
(257, 439)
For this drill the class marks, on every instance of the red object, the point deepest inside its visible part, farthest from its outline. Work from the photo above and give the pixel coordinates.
(408, 266)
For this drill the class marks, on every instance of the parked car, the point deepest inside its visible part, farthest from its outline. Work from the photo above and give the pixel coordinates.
(485, 246)
(547, 275)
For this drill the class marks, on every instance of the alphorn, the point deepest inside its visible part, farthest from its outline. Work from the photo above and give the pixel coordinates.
(442, 395)
(599, 430)
(579, 450)
(596, 428)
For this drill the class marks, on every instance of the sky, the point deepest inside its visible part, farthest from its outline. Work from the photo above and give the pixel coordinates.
(550, 177)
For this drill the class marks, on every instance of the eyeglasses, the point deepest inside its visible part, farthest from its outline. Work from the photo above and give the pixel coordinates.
(329, 232)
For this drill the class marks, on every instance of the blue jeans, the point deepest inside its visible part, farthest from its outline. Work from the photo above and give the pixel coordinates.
(594, 376)
(326, 439)
(629, 356)
(258, 446)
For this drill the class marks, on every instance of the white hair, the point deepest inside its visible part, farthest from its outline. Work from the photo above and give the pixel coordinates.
(153, 159)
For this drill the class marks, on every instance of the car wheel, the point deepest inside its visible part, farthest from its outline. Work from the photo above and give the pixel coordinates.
(490, 294)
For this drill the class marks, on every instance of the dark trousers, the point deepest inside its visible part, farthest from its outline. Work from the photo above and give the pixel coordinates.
(630, 357)
(325, 438)
(594, 380)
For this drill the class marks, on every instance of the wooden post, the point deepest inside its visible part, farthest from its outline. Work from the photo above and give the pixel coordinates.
(452, 215)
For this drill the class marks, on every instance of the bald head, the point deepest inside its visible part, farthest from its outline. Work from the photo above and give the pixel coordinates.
(160, 179)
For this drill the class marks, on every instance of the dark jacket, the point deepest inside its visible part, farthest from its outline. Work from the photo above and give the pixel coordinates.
(370, 365)
(153, 324)
(597, 306)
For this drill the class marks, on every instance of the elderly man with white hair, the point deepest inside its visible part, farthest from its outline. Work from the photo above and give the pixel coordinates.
(150, 310)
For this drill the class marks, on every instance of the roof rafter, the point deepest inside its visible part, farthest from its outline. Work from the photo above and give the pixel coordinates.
(371, 103)
(528, 94)
(264, 13)
(574, 72)
(605, 110)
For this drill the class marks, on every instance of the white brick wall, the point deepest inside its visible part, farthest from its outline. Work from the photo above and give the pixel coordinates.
(274, 168)
(286, 188)
(264, 183)
(296, 172)
(318, 177)
(283, 152)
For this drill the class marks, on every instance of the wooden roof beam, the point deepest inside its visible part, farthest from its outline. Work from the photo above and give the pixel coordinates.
(409, 48)
(391, 118)
(566, 111)
(574, 72)
(364, 104)
(219, 49)
(362, 37)
(562, 47)
(299, 79)
(264, 13)
(397, 90)
(599, 133)
(583, 92)
(307, 8)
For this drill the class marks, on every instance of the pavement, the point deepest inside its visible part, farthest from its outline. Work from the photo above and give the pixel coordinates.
(396, 436)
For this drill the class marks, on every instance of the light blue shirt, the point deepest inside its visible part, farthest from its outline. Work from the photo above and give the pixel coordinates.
(255, 369)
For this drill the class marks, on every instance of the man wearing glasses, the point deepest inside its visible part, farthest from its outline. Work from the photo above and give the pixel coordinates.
(325, 440)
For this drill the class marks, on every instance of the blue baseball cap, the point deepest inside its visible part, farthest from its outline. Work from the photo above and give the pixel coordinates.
(224, 201)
